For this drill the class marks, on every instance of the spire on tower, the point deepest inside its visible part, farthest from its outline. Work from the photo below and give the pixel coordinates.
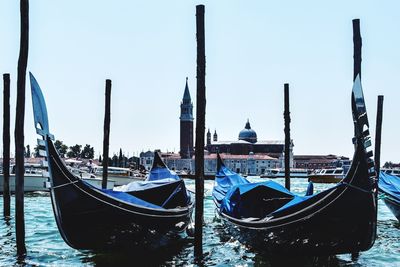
(186, 123)
(247, 125)
(208, 137)
(215, 136)
(186, 95)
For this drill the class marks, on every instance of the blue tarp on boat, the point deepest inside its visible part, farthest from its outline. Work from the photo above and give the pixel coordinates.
(239, 198)
(158, 173)
(126, 197)
(143, 185)
(163, 189)
(390, 185)
(224, 180)
(131, 199)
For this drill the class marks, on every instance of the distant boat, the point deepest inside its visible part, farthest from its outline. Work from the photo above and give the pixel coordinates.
(121, 176)
(389, 187)
(35, 182)
(280, 173)
(155, 213)
(327, 175)
(268, 217)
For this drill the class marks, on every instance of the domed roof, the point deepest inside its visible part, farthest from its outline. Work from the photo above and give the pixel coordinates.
(248, 134)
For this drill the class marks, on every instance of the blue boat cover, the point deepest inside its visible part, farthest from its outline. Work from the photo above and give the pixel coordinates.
(390, 185)
(237, 197)
(131, 199)
(163, 189)
(125, 197)
(224, 180)
(158, 173)
(143, 185)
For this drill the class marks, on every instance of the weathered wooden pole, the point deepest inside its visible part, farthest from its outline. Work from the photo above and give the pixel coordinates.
(19, 129)
(378, 134)
(286, 115)
(106, 140)
(6, 145)
(357, 41)
(200, 131)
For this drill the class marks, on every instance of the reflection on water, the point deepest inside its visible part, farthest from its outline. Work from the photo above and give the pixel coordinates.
(46, 247)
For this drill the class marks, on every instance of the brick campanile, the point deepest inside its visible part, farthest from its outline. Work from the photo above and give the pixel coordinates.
(186, 118)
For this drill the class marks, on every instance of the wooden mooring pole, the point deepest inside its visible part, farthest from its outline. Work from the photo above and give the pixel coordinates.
(19, 130)
(286, 115)
(106, 140)
(6, 145)
(378, 134)
(200, 131)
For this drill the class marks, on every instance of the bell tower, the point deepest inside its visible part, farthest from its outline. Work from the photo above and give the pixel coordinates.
(208, 137)
(186, 118)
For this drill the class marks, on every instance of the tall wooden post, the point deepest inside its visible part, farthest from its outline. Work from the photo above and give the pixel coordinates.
(6, 145)
(19, 130)
(286, 116)
(378, 134)
(200, 131)
(106, 139)
(357, 41)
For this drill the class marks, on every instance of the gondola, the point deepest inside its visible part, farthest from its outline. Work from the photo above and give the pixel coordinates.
(389, 188)
(339, 220)
(150, 215)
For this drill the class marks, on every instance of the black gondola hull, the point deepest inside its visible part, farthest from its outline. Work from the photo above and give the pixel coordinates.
(90, 219)
(339, 220)
(326, 232)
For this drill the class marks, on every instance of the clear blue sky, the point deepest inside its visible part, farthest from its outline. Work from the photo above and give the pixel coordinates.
(148, 48)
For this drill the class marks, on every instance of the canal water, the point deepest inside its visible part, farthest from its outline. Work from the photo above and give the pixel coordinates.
(46, 248)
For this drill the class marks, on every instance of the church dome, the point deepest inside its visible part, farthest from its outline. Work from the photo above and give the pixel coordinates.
(248, 134)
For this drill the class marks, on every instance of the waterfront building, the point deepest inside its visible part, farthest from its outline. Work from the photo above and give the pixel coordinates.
(247, 155)
(314, 162)
(248, 143)
(252, 164)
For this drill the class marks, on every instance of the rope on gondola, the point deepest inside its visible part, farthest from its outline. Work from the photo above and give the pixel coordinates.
(358, 188)
(62, 185)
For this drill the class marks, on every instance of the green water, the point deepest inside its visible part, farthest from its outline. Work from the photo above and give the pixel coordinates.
(46, 248)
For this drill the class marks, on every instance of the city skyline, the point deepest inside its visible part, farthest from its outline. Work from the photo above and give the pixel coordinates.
(148, 50)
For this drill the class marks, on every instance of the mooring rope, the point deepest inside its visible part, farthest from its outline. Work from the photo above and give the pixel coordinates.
(358, 188)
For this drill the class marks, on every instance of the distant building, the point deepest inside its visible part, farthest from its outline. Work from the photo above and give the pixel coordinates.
(247, 155)
(313, 162)
(248, 143)
(252, 164)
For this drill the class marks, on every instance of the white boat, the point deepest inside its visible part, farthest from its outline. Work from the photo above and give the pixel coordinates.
(121, 176)
(34, 180)
(327, 175)
(280, 173)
